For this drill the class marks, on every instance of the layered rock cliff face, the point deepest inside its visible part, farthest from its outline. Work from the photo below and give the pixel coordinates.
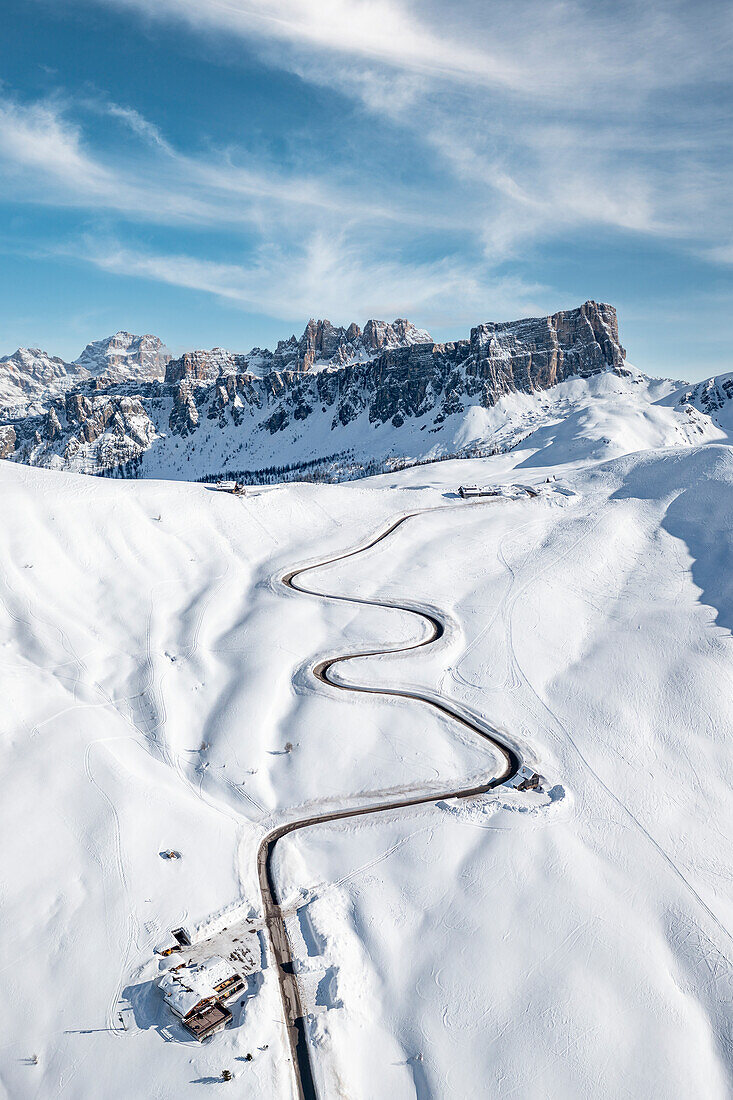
(409, 381)
(335, 386)
(534, 354)
(322, 346)
(124, 356)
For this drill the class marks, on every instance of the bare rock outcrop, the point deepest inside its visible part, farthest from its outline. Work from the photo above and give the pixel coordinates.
(8, 440)
(125, 357)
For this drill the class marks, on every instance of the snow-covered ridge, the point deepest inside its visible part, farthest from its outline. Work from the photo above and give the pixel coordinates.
(31, 378)
(30, 374)
(714, 398)
(345, 400)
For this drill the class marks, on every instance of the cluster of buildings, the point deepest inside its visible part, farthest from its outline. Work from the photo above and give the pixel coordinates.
(468, 491)
(477, 491)
(198, 994)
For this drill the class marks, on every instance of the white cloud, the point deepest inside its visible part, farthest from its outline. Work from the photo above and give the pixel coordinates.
(329, 277)
(36, 141)
(546, 120)
(46, 160)
(720, 254)
(380, 31)
(551, 117)
(139, 125)
(529, 47)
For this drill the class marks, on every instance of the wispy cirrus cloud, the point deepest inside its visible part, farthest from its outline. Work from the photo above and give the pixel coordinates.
(37, 141)
(344, 281)
(376, 31)
(489, 132)
(139, 125)
(47, 159)
(551, 117)
(341, 258)
(721, 253)
(526, 47)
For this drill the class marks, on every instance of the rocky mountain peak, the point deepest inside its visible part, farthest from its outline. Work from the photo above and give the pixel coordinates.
(35, 361)
(126, 356)
(29, 374)
(322, 345)
(401, 333)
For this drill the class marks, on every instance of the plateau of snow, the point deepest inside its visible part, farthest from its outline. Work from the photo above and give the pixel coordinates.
(574, 943)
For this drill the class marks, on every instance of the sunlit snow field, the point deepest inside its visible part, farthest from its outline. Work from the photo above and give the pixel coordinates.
(153, 669)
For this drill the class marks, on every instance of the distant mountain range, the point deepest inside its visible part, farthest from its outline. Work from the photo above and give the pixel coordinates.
(31, 378)
(340, 401)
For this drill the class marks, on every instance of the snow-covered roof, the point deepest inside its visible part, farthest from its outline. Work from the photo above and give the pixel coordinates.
(178, 995)
(186, 986)
(215, 970)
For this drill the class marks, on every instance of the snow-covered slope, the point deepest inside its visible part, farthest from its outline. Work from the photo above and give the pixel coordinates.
(582, 942)
(714, 399)
(568, 944)
(158, 696)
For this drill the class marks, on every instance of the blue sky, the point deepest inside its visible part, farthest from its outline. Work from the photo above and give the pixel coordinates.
(217, 171)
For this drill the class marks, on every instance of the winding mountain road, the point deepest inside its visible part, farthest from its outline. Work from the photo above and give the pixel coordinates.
(290, 993)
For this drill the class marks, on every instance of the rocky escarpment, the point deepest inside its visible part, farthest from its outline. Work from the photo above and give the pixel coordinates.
(337, 384)
(535, 354)
(8, 440)
(124, 356)
(322, 346)
(205, 366)
(413, 380)
(87, 432)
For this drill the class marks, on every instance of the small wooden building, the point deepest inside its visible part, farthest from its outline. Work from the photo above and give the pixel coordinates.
(236, 487)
